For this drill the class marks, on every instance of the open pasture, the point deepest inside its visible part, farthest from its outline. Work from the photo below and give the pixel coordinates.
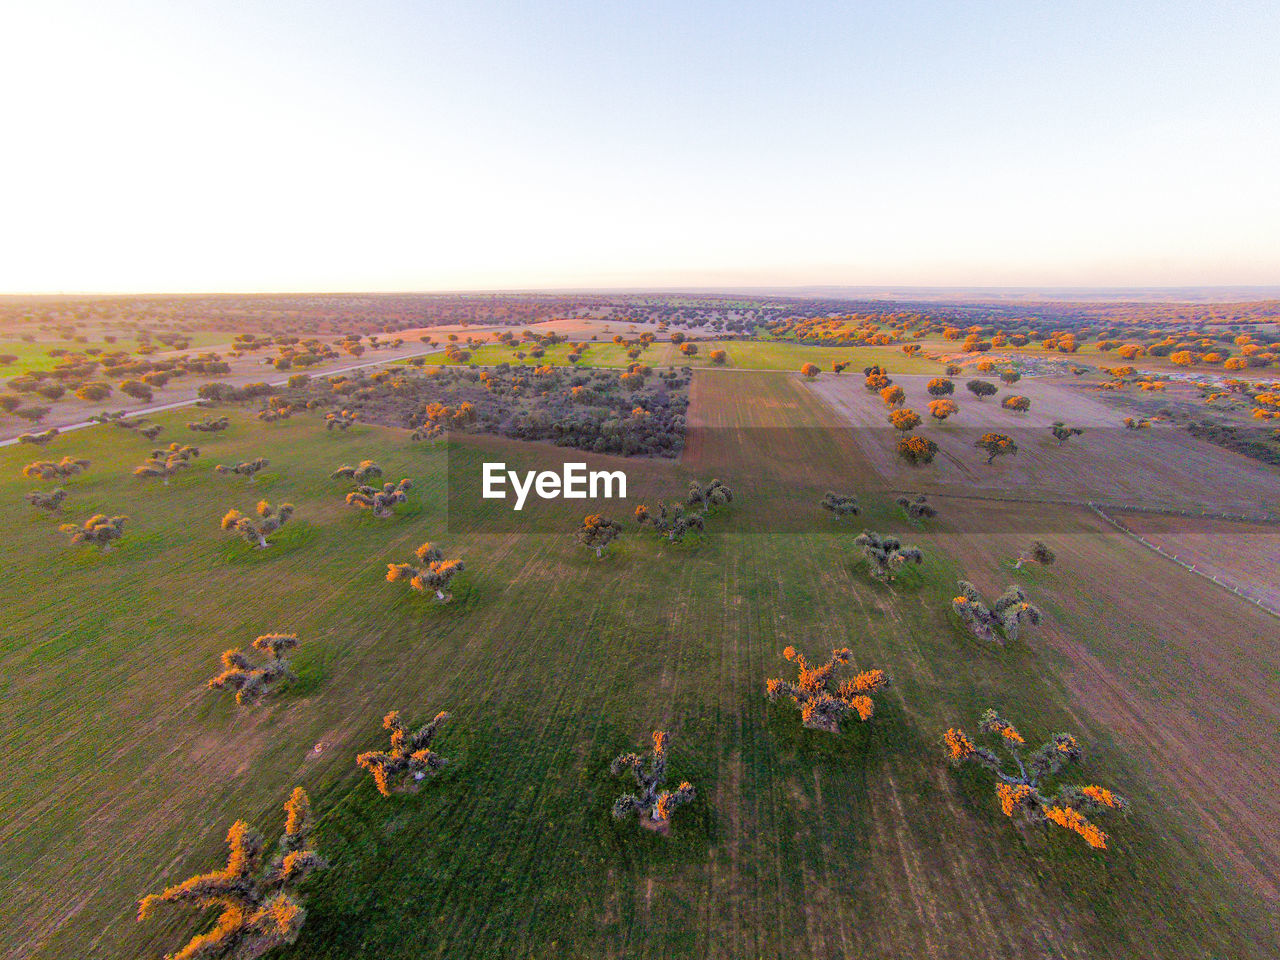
(1161, 467)
(128, 771)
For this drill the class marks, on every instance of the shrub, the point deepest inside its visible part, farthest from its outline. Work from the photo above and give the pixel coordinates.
(1062, 433)
(1039, 553)
(38, 439)
(49, 470)
(166, 463)
(671, 520)
(210, 426)
(364, 470)
(713, 493)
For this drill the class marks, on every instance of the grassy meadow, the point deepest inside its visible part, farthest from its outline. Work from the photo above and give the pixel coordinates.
(125, 772)
(741, 354)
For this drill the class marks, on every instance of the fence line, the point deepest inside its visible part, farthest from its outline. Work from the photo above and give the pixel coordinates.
(1243, 595)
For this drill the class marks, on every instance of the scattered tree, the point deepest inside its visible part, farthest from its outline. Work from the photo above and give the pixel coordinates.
(270, 519)
(1039, 553)
(996, 445)
(671, 520)
(917, 450)
(380, 500)
(904, 419)
(48, 470)
(893, 396)
(718, 357)
(250, 682)
(168, 462)
(1062, 433)
(941, 409)
(210, 426)
(1018, 404)
(1010, 376)
(820, 709)
(364, 470)
(981, 388)
(597, 532)
(810, 370)
(410, 759)
(39, 439)
(99, 530)
(886, 555)
(436, 573)
(652, 805)
(917, 507)
(260, 908)
(250, 468)
(713, 493)
(51, 501)
(842, 505)
(1025, 791)
(940, 387)
(1009, 612)
(339, 421)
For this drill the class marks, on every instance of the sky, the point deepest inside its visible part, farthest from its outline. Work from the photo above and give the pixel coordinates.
(417, 145)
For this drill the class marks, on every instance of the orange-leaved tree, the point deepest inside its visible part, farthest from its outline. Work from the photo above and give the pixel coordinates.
(996, 445)
(260, 904)
(820, 707)
(410, 759)
(251, 682)
(1025, 790)
(597, 532)
(436, 573)
(917, 450)
(653, 805)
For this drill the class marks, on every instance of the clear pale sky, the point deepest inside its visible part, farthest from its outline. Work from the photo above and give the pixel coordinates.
(171, 146)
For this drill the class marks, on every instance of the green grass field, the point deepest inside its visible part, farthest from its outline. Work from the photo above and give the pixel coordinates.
(35, 356)
(125, 772)
(742, 355)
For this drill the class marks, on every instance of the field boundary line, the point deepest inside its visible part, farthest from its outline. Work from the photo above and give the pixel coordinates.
(1256, 601)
